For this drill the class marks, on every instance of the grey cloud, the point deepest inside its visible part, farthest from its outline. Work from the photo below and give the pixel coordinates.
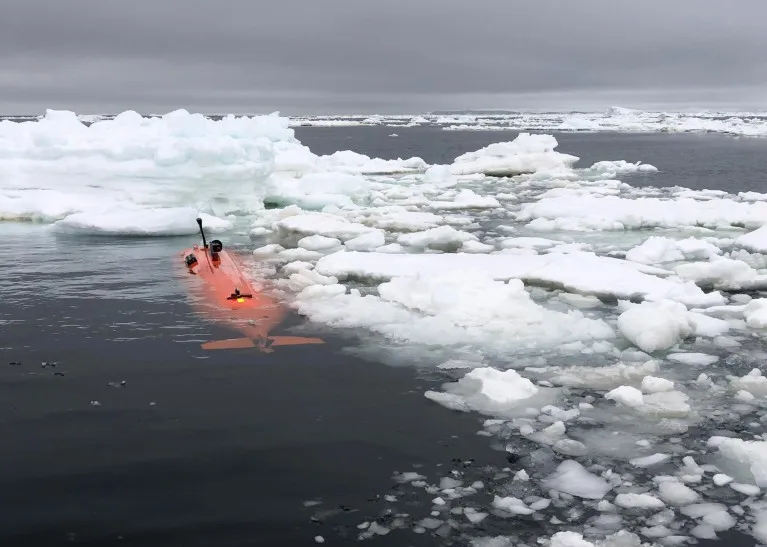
(337, 55)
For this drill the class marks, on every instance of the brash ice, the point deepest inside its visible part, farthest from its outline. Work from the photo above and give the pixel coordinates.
(226, 296)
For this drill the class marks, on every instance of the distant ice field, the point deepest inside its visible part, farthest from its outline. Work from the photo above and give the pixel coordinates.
(609, 328)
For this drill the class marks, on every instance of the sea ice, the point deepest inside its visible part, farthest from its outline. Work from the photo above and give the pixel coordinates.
(572, 478)
(654, 326)
(486, 390)
(527, 153)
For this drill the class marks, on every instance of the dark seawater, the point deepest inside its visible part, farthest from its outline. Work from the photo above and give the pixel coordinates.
(215, 448)
(222, 448)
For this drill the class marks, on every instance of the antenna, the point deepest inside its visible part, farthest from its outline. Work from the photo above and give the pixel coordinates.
(202, 233)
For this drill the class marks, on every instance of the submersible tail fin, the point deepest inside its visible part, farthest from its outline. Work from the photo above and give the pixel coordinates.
(262, 344)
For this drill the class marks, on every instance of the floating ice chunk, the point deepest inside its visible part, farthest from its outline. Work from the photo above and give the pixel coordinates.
(295, 267)
(657, 250)
(676, 493)
(572, 478)
(300, 253)
(268, 250)
(404, 221)
(408, 476)
(512, 505)
(521, 475)
(626, 395)
(722, 273)
(354, 162)
(710, 327)
(135, 221)
(366, 242)
(444, 238)
(711, 514)
(486, 390)
(753, 382)
(649, 461)
(259, 231)
(319, 243)
(690, 294)
(570, 447)
(302, 278)
(324, 224)
(759, 530)
(754, 241)
(472, 246)
(755, 313)
(528, 242)
(747, 460)
(466, 199)
(668, 404)
(656, 532)
(700, 359)
(601, 378)
(525, 154)
(657, 325)
(621, 167)
(720, 479)
(316, 190)
(704, 531)
(459, 364)
(579, 300)
(745, 489)
(569, 539)
(638, 501)
(652, 384)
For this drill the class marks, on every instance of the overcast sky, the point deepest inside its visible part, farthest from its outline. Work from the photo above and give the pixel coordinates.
(345, 56)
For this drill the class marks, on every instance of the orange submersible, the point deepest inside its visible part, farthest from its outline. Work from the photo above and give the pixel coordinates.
(223, 294)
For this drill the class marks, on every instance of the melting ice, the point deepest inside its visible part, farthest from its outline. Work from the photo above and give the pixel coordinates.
(609, 336)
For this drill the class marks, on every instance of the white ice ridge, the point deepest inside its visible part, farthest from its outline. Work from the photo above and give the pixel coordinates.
(580, 272)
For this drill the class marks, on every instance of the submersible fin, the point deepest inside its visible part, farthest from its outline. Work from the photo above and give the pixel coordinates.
(264, 345)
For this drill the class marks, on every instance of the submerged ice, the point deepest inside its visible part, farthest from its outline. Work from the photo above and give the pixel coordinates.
(595, 327)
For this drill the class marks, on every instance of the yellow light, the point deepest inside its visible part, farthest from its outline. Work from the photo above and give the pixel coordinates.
(240, 300)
